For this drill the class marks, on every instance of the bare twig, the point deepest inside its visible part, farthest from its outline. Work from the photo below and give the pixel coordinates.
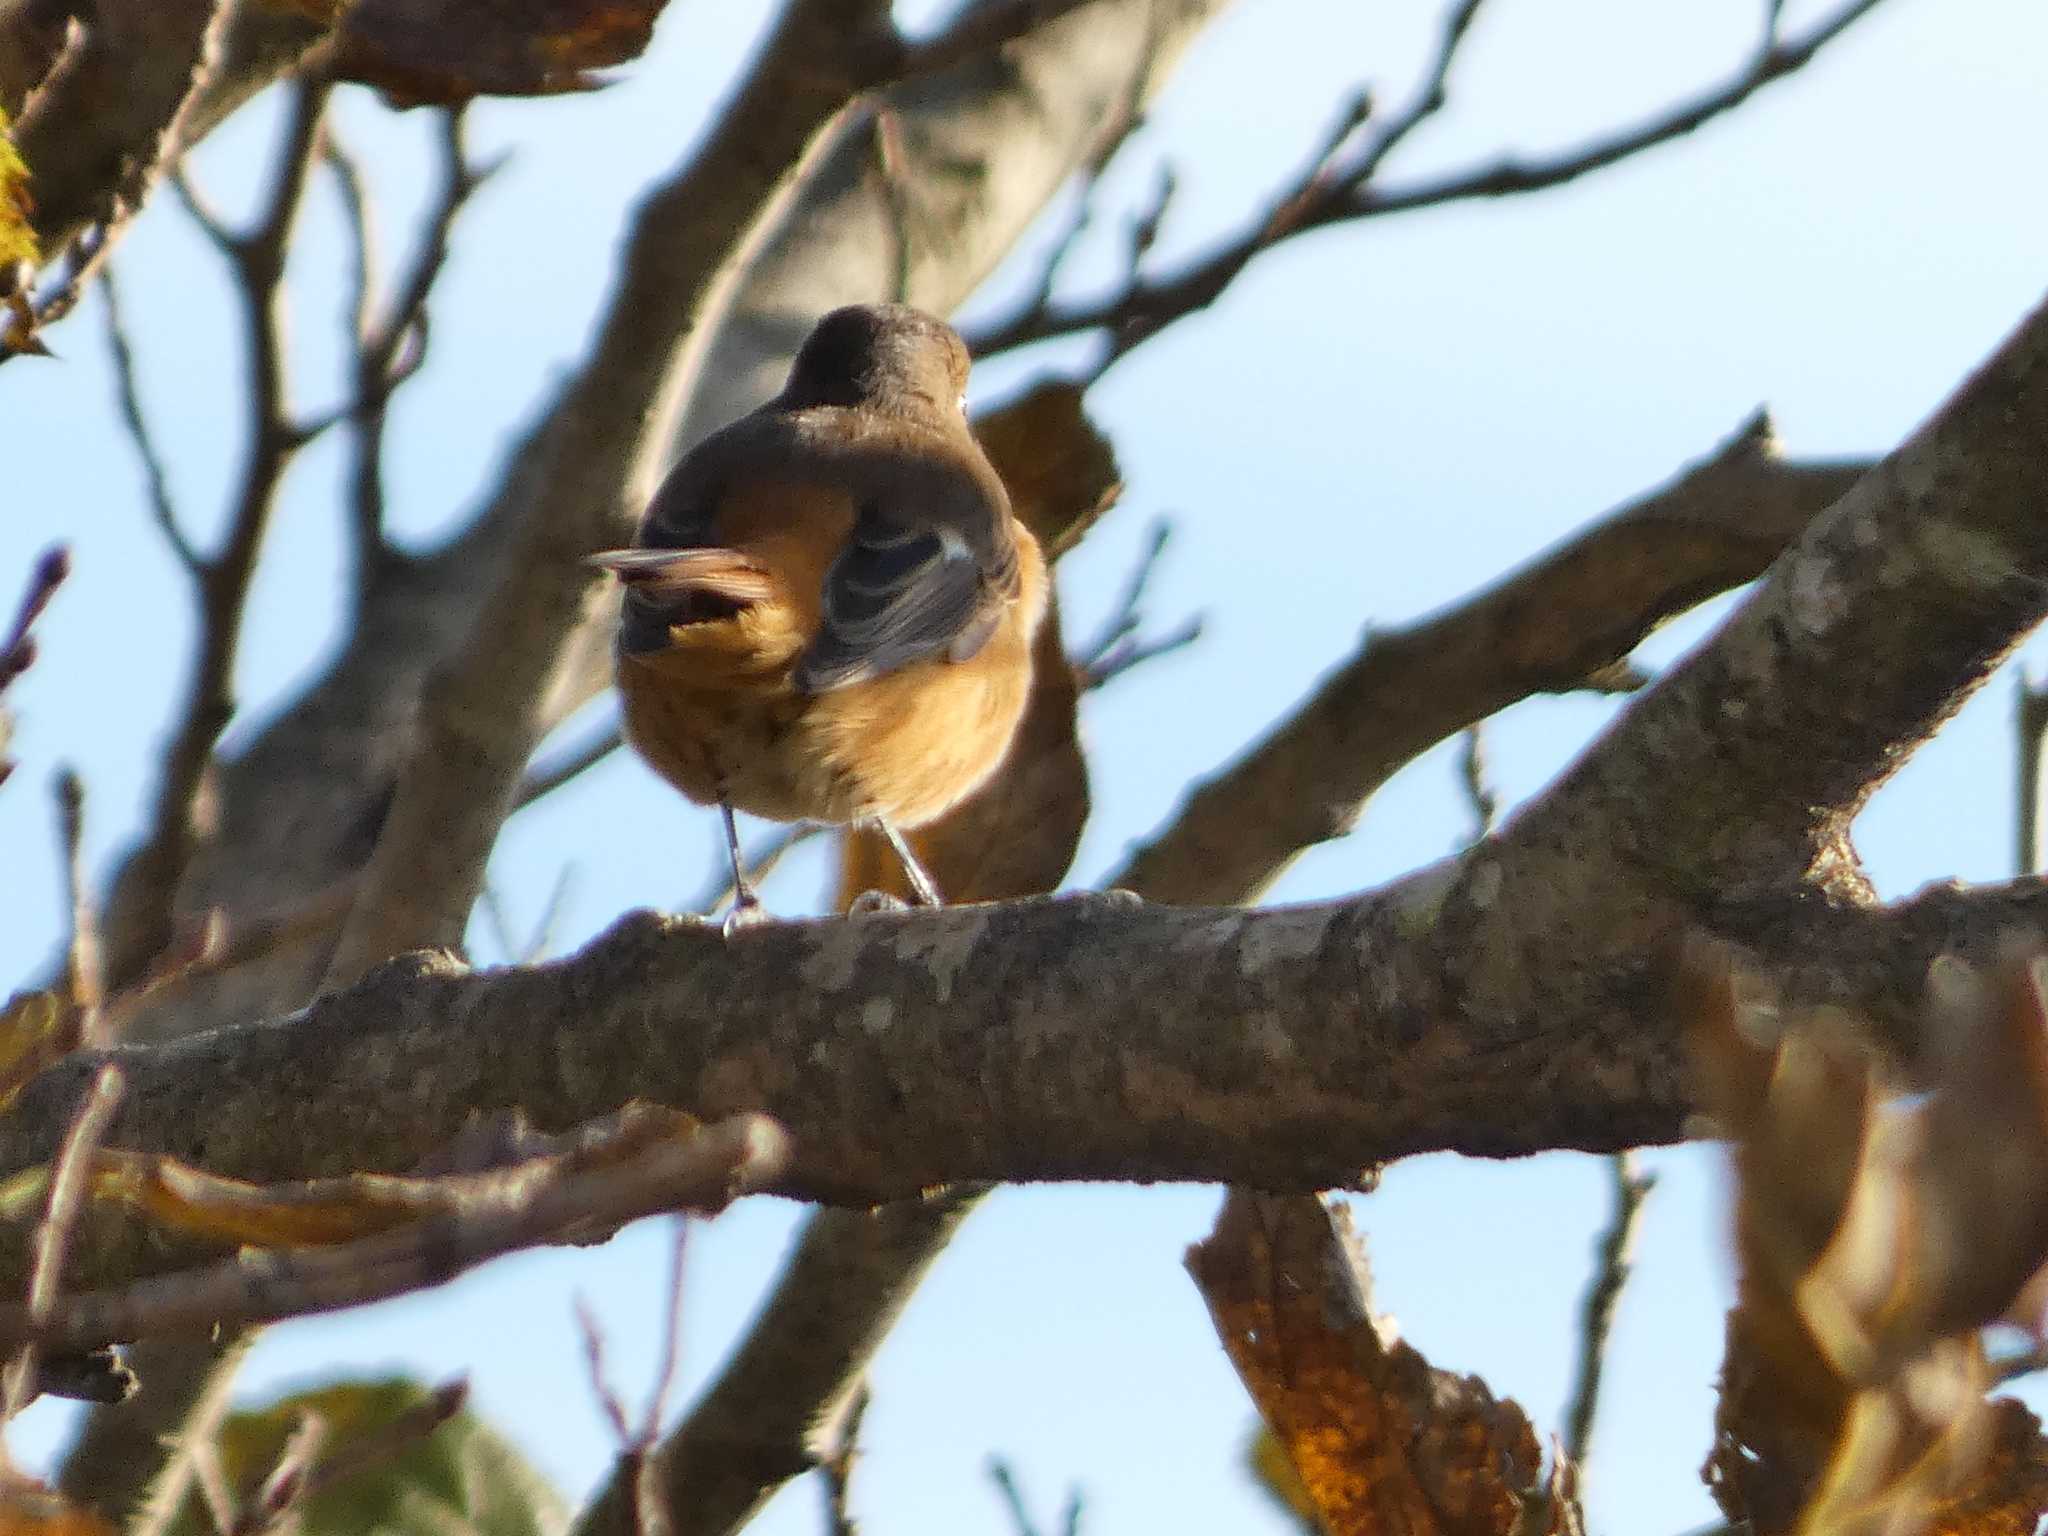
(257, 259)
(85, 969)
(378, 1445)
(129, 395)
(1135, 653)
(1425, 105)
(520, 1208)
(310, 1463)
(1631, 1189)
(540, 939)
(2031, 726)
(543, 779)
(668, 1358)
(285, 1483)
(211, 1478)
(1472, 774)
(1118, 647)
(601, 1388)
(647, 1511)
(890, 158)
(719, 888)
(1129, 115)
(836, 1464)
(1333, 191)
(1005, 1479)
(19, 651)
(391, 347)
(68, 1178)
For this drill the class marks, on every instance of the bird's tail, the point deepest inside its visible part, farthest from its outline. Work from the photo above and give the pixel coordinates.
(711, 606)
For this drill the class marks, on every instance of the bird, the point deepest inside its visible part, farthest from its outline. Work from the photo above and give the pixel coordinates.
(829, 607)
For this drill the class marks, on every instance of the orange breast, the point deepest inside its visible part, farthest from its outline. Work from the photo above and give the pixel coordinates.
(715, 713)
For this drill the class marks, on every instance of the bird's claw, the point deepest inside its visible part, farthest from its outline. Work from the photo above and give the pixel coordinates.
(869, 902)
(745, 913)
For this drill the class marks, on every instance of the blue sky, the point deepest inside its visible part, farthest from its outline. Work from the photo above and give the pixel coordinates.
(1372, 422)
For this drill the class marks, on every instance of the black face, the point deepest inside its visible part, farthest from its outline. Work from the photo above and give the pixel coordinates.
(879, 354)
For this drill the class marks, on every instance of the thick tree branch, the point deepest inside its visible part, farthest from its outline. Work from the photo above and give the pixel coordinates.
(985, 147)
(1284, 1049)
(852, 1272)
(549, 1202)
(1087, 1038)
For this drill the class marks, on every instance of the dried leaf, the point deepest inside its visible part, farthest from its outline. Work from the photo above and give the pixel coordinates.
(1875, 1239)
(36, 1028)
(447, 51)
(1382, 1442)
(1060, 471)
(1273, 1470)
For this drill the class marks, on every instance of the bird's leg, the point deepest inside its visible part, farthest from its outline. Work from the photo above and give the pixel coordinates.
(746, 906)
(921, 883)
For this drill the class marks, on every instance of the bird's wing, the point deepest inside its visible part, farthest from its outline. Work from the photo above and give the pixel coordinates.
(930, 563)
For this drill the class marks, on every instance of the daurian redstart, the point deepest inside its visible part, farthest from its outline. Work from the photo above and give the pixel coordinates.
(829, 610)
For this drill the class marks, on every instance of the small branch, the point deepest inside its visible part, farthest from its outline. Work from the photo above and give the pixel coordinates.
(1005, 1479)
(1134, 653)
(2031, 727)
(85, 968)
(718, 889)
(1479, 794)
(68, 1178)
(1719, 523)
(1631, 1190)
(896, 194)
(1427, 103)
(1012, 1496)
(390, 348)
(375, 1446)
(1117, 649)
(285, 1484)
(543, 779)
(668, 1358)
(836, 1464)
(1329, 192)
(18, 649)
(129, 397)
(257, 259)
(535, 1206)
(18, 654)
(647, 1512)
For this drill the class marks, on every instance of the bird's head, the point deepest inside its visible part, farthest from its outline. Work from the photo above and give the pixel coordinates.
(886, 355)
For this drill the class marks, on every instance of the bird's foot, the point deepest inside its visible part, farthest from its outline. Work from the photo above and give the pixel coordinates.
(746, 912)
(868, 902)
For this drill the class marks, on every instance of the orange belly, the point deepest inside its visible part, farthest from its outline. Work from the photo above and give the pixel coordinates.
(907, 746)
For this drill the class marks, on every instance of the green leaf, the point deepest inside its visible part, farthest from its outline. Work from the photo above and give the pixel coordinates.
(463, 1477)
